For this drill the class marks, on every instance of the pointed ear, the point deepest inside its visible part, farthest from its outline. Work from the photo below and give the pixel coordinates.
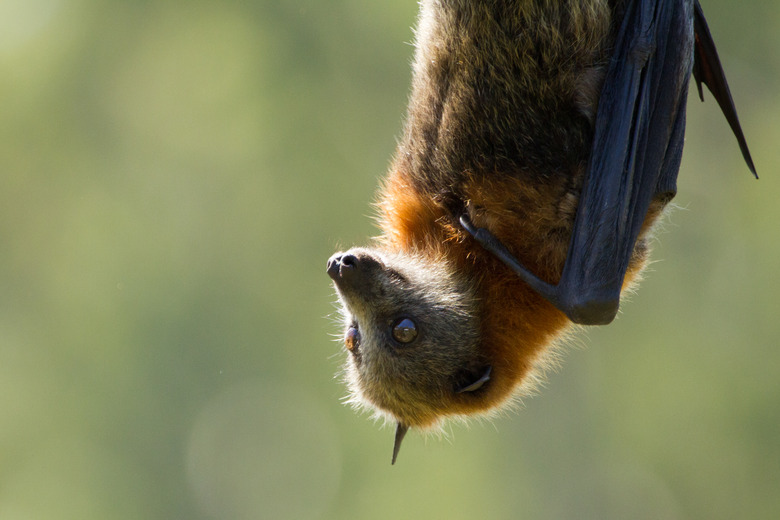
(400, 432)
(476, 385)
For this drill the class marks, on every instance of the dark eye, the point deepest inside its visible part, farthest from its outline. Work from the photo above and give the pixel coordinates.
(352, 338)
(404, 330)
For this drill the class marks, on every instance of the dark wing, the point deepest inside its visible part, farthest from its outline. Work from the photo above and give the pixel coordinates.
(708, 70)
(635, 156)
(636, 152)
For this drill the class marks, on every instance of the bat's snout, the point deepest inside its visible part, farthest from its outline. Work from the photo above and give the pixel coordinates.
(334, 266)
(352, 269)
(342, 266)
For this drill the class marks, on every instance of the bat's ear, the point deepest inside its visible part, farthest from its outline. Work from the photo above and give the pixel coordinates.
(476, 385)
(400, 432)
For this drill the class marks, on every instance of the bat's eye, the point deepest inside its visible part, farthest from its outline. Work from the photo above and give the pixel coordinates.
(352, 338)
(404, 330)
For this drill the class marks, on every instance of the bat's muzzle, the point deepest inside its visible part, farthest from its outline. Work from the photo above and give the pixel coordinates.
(357, 275)
(342, 266)
(354, 268)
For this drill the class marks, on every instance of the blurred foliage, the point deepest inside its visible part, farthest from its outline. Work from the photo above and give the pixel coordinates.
(174, 176)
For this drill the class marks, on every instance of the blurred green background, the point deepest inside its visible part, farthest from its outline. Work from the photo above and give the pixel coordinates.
(173, 177)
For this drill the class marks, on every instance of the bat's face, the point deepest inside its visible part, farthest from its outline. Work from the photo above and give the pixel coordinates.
(412, 333)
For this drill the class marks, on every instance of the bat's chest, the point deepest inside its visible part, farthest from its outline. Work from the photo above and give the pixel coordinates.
(504, 88)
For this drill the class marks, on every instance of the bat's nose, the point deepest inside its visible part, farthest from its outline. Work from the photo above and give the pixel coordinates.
(342, 265)
(334, 264)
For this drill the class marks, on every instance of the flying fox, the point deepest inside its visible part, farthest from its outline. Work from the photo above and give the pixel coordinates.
(542, 141)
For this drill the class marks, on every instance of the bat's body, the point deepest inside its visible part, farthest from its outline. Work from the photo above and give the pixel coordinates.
(542, 141)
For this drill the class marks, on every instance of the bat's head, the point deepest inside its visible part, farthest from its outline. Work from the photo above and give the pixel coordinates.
(412, 333)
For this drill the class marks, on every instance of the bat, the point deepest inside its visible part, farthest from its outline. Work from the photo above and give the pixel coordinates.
(542, 141)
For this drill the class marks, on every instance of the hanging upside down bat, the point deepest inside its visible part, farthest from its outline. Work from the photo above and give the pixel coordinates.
(543, 139)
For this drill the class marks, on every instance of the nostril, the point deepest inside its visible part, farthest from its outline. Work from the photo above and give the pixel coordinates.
(349, 261)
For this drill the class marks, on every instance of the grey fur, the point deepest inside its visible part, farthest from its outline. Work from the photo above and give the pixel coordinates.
(409, 381)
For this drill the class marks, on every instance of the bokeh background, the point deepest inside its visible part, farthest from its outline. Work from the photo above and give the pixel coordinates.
(173, 176)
